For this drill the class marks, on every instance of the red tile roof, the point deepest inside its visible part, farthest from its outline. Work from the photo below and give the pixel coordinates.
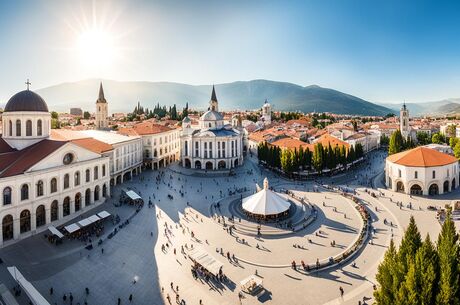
(146, 128)
(422, 157)
(5, 147)
(93, 145)
(17, 162)
(327, 139)
(292, 144)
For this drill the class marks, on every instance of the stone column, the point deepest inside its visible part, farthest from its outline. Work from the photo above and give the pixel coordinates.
(60, 210)
(16, 228)
(33, 222)
(72, 206)
(91, 199)
(48, 215)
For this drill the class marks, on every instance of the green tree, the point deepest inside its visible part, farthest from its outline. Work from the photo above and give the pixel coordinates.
(410, 243)
(386, 292)
(426, 265)
(86, 115)
(423, 138)
(451, 130)
(396, 143)
(448, 264)
(453, 141)
(457, 150)
(318, 158)
(438, 138)
(54, 115)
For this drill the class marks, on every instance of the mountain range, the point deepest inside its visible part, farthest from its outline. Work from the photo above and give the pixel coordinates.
(122, 96)
(434, 108)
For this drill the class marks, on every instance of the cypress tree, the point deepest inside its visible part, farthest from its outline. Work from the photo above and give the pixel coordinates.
(448, 264)
(386, 293)
(396, 143)
(426, 265)
(410, 243)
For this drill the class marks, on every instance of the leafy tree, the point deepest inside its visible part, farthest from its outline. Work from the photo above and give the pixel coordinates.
(438, 138)
(457, 150)
(451, 130)
(453, 141)
(384, 140)
(423, 138)
(396, 143)
(86, 115)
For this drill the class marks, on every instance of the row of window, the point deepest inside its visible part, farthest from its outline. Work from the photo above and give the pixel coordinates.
(433, 174)
(39, 187)
(28, 128)
(208, 151)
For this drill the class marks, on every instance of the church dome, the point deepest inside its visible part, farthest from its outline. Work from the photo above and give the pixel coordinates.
(26, 101)
(212, 116)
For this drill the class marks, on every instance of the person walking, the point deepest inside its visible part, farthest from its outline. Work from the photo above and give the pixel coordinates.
(130, 298)
(51, 291)
(119, 301)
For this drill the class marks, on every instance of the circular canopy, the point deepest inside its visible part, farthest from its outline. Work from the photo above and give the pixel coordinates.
(265, 202)
(26, 101)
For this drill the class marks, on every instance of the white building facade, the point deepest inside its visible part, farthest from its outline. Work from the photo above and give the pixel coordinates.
(421, 171)
(214, 145)
(42, 181)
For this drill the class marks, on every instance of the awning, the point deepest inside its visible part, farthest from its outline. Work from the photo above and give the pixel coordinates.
(133, 195)
(206, 260)
(84, 222)
(103, 214)
(72, 228)
(55, 231)
(251, 279)
(35, 297)
(7, 296)
(93, 218)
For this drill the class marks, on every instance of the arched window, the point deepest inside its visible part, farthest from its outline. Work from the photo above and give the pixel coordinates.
(28, 128)
(7, 226)
(10, 127)
(77, 178)
(54, 210)
(96, 173)
(66, 181)
(66, 206)
(24, 192)
(7, 195)
(24, 221)
(18, 128)
(53, 185)
(103, 170)
(39, 188)
(39, 128)
(88, 176)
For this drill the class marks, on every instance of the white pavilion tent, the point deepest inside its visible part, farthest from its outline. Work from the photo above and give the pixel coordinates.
(265, 202)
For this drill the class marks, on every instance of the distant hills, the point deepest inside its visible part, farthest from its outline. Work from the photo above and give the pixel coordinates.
(449, 106)
(123, 96)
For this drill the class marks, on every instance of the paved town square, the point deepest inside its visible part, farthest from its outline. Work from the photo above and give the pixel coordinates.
(149, 254)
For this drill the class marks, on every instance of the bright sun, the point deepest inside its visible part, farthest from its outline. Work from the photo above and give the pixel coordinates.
(96, 47)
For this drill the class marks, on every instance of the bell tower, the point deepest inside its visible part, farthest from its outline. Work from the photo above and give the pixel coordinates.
(404, 121)
(101, 110)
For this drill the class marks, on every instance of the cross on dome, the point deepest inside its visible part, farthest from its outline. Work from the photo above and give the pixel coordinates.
(28, 83)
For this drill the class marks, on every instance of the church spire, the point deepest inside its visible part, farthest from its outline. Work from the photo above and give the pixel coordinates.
(213, 94)
(213, 103)
(101, 98)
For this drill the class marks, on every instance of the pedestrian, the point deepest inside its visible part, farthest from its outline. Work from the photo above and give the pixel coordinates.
(119, 301)
(71, 298)
(177, 288)
(131, 297)
(102, 250)
(87, 290)
(51, 291)
(64, 297)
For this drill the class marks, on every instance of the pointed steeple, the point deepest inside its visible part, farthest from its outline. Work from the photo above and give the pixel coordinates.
(101, 98)
(213, 94)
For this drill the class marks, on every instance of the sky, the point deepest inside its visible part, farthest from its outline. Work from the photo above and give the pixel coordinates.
(381, 51)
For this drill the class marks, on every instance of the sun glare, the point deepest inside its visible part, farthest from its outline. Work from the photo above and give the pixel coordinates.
(96, 47)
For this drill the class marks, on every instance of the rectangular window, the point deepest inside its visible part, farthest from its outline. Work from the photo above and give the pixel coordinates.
(416, 175)
(210, 149)
(205, 149)
(399, 173)
(434, 174)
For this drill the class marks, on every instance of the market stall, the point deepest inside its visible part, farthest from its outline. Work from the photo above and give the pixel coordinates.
(131, 197)
(252, 284)
(204, 260)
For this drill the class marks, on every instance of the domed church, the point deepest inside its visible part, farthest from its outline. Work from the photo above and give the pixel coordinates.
(43, 182)
(214, 144)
